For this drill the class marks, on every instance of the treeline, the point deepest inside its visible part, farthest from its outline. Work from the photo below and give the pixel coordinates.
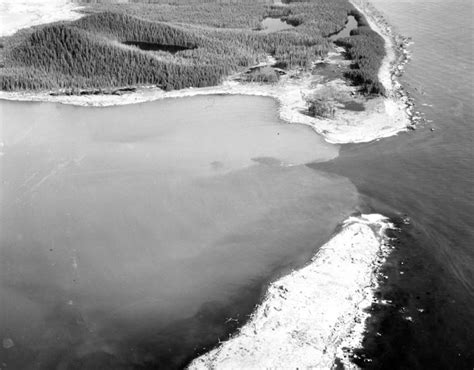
(125, 27)
(321, 17)
(366, 49)
(205, 47)
(91, 52)
(61, 56)
(241, 14)
(95, 51)
(296, 48)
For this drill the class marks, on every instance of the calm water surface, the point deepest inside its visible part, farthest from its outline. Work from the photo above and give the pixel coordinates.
(131, 234)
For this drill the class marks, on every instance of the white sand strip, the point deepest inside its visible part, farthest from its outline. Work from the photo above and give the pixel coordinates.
(18, 14)
(385, 72)
(310, 315)
(382, 117)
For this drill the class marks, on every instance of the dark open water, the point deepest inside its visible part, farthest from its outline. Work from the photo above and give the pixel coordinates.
(428, 176)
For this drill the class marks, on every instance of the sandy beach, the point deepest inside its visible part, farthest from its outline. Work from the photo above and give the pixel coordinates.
(383, 117)
(308, 317)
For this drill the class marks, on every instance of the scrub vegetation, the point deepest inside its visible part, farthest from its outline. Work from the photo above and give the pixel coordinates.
(176, 44)
(264, 74)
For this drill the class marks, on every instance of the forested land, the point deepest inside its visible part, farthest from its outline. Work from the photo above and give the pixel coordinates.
(210, 39)
(366, 49)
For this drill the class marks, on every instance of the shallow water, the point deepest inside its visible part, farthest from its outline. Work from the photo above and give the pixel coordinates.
(124, 228)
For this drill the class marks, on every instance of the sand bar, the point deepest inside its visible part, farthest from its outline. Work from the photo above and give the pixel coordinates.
(310, 315)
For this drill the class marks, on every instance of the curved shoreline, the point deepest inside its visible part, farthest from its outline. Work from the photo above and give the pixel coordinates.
(314, 316)
(383, 116)
(396, 57)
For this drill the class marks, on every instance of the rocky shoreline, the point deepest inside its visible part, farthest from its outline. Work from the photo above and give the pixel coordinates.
(399, 44)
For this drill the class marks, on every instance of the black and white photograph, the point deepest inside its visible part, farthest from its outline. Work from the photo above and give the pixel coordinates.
(236, 184)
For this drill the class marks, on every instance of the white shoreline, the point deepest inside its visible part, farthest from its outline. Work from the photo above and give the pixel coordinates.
(18, 14)
(308, 317)
(382, 118)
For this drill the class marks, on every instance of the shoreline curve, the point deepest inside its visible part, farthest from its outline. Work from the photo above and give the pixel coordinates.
(383, 116)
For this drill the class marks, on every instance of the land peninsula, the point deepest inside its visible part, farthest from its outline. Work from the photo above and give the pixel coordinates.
(126, 52)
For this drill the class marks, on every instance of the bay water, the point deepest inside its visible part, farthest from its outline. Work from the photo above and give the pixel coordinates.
(136, 235)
